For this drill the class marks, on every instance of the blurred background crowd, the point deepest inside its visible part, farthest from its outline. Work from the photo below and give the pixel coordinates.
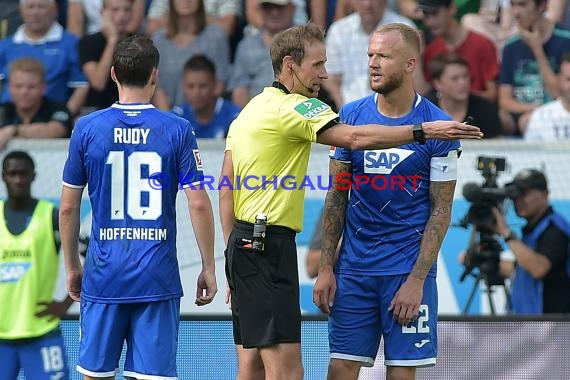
(501, 65)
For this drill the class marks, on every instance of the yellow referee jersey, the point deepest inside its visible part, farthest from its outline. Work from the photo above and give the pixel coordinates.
(270, 143)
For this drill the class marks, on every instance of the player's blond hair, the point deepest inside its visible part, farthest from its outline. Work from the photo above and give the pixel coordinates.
(409, 35)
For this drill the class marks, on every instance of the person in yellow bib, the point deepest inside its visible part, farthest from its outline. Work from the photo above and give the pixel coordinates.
(265, 165)
(30, 337)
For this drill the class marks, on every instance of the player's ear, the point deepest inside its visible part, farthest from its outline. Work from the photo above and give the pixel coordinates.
(154, 76)
(113, 76)
(410, 65)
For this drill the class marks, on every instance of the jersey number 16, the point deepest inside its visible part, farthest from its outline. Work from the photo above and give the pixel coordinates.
(136, 185)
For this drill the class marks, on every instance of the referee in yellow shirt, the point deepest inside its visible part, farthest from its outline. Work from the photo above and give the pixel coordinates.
(268, 143)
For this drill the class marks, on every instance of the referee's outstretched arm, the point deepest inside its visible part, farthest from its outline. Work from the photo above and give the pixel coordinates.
(374, 136)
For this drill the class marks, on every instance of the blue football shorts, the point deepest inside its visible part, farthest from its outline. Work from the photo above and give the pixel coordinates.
(360, 318)
(41, 358)
(150, 330)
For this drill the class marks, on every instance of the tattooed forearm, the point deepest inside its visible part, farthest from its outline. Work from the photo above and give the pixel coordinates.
(441, 211)
(334, 214)
(441, 198)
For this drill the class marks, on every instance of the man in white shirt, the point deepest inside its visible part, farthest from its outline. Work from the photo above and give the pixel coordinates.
(347, 44)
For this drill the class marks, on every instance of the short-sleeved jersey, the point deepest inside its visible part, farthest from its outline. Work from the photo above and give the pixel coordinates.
(386, 218)
(270, 142)
(133, 158)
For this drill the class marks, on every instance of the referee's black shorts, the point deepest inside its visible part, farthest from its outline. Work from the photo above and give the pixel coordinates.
(264, 287)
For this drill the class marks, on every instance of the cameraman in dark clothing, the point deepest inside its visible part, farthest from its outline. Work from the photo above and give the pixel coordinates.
(541, 282)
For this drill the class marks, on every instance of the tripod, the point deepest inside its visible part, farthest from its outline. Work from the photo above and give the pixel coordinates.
(489, 290)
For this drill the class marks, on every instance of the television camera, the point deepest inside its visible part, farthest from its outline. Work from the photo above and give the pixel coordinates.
(484, 250)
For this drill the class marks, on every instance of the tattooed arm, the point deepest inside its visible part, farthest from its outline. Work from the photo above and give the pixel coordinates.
(441, 198)
(333, 223)
(406, 303)
(334, 213)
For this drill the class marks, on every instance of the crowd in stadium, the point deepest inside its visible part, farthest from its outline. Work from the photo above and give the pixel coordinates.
(499, 64)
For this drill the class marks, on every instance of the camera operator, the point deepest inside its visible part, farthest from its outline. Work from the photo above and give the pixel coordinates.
(541, 282)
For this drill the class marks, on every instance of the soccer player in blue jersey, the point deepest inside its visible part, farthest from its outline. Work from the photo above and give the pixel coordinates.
(394, 218)
(130, 156)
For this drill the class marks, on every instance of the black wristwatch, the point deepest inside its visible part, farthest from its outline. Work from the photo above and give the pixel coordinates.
(418, 132)
(510, 236)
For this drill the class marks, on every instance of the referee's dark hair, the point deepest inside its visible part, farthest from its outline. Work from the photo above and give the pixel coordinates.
(292, 42)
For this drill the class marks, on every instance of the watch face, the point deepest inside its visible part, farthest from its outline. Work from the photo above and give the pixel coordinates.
(419, 134)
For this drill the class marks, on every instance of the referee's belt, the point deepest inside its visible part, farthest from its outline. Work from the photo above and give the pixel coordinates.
(242, 226)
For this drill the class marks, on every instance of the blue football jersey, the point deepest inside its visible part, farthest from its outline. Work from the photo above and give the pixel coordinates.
(389, 202)
(133, 158)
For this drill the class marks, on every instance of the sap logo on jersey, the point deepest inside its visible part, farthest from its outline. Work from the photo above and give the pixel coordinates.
(383, 161)
(12, 272)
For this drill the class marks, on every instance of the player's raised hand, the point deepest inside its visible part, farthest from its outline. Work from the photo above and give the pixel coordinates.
(450, 130)
(325, 289)
(207, 288)
(74, 280)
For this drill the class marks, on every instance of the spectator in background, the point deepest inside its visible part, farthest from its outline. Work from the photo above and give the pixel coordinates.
(84, 17)
(322, 12)
(187, 34)
(210, 115)
(541, 282)
(252, 69)
(494, 21)
(449, 36)
(347, 44)
(551, 121)
(30, 337)
(96, 52)
(451, 80)
(559, 12)
(30, 114)
(43, 38)
(530, 62)
(224, 13)
(254, 16)
(10, 17)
